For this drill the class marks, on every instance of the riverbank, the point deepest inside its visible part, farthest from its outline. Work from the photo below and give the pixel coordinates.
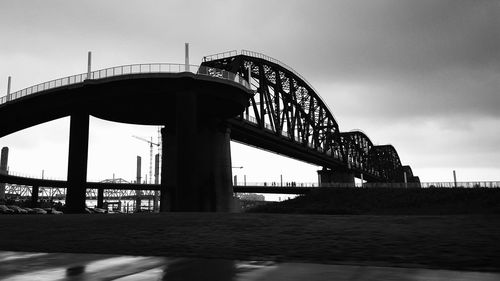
(459, 242)
(390, 201)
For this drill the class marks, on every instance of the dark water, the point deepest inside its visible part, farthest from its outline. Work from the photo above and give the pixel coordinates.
(63, 266)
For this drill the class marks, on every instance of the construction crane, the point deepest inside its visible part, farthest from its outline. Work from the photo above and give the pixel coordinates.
(151, 143)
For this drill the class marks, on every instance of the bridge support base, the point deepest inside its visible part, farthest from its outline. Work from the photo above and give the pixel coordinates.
(77, 163)
(100, 198)
(196, 163)
(338, 177)
(34, 196)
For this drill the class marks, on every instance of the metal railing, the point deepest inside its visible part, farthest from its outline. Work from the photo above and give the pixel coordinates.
(127, 70)
(278, 184)
(470, 184)
(473, 184)
(31, 176)
(221, 55)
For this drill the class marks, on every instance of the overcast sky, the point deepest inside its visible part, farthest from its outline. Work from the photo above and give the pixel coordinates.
(421, 75)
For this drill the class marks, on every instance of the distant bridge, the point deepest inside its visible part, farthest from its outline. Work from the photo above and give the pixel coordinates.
(247, 97)
(118, 189)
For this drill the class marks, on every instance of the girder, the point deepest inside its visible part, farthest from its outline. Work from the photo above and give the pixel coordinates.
(58, 193)
(286, 105)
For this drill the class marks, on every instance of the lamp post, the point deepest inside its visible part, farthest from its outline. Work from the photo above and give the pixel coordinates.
(235, 178)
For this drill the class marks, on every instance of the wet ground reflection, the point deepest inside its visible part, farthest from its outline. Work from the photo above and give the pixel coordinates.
(63, 266)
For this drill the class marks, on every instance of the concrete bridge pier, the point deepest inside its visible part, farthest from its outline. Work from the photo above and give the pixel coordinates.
(196, 163)
(100, 198)
(3, 169)
(328, 177)
(77, 162)
(34, 196)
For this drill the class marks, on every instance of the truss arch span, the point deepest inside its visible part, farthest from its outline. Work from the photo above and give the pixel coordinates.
(387, 161)
(357, 147)
(284, 102)
(286, 105)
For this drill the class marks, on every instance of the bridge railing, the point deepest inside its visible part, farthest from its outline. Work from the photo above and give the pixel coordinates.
(473, 184)
(278, 184)
(31, 176)
(127, 70)
(256, 55)
(268, 58)
(221, 55)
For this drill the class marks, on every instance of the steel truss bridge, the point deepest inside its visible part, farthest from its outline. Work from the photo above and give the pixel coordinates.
(287, 115)
(283, 114)
(115, 191)
(120, 189)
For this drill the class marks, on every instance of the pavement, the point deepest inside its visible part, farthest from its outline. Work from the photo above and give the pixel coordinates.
(68, 266)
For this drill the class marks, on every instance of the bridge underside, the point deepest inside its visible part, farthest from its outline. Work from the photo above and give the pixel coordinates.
(194, 110)
(143, 99)
(249, 134)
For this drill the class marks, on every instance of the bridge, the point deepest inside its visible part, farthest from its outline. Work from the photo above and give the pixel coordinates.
(242, 96)
(34, 189)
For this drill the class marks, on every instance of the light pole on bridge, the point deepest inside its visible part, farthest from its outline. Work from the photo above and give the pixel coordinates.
(89, 64)
(8, 88)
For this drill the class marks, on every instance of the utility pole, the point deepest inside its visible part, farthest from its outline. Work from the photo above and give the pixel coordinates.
(138, 193)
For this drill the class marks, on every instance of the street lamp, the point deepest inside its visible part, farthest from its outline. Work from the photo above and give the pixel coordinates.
(235, 180)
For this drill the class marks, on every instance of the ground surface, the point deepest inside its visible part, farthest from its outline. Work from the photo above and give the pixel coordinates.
(391, 201)
(465, 242)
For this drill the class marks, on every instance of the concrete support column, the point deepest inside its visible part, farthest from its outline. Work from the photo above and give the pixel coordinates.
(342, 177)
(34, 196)
(196, 163)
(167, 141)
(221, 168)
(100, 197)
(77, 163)
(2, 190)
(4, 160)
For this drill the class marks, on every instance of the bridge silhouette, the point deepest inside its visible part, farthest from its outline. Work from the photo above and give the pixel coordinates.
(243, 96)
